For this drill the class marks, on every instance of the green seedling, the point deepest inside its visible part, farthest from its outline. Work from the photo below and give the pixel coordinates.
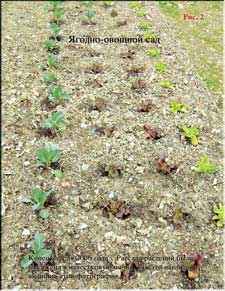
(135, 4)
(176, 107)
(153, 52)
(51, 45)
(57, 14)
(166, 84)
(57, 93)
(204, 166)
(58, 174)
(108, 4)
(51, 63)
(53, 5)
(148, 35)
(50, 77)
(55, 122)
(144, 25)
(141, 13)
(38, 199)
(48, 155)
(220, 215)
(55, 29)
(161, 67)
(87, 4)
(90, 14)
(38, 252)
(191, 133)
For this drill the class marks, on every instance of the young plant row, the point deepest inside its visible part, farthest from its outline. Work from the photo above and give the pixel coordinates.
(49, 155)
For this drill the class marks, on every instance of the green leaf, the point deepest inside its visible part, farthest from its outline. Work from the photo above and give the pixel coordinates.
(194, 140)
(38, 243)
(87, 3)
(36, 206)
(26, 261)
(58, 174)
(58, 14)
(44, 213)
(37, 194)
(26, 200)
(56, 156)
(160, 67)
(89, 14)
(57, 118)
(166, 84)
(204, 166)
(50, 77)
(44, 253)
(153, 52)
(144, 25)
(177, 107)
(141, 13)
(47, 124)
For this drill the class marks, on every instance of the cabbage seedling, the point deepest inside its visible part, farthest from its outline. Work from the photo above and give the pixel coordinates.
(38, 199)
(144, 25)
(52, 61)
(160, 67)
(220, 215)
(56, 93)
(50, 77)
(57, 14)
(204, 166)
(90, 14)
(48, 155)
(53, 5)
(38, 252)
(176, 107)
(166, 84)
(191, 133)
(154, 53)
(88, 3)
(55, 29)
(55, 122)
(51, 45)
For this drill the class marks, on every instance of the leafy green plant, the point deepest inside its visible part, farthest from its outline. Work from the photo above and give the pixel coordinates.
(51, 45)
(38, 252)
(153, 52)
(57, 93)
(38, 199)
(88, 4)
(160, 67)
(176, 107)
(57, 14)
(135, 4)
(220, 215)
(108, 3)
(166, 84)
(204, 166)
(55, 29)
(148, 35)
(55, 122)
(50, 77)
(140, 13)
(48, 155)
(89, 14)
(53, 5)
(52, 61)
(144, 25)
(191, 133)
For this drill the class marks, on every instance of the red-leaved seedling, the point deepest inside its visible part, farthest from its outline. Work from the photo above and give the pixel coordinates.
(193, 272)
